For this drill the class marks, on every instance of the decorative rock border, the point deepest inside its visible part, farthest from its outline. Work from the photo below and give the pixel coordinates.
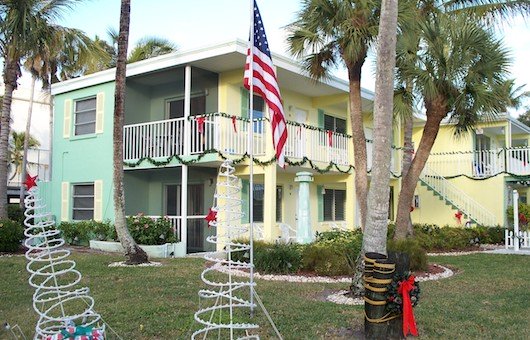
(341, 298)
(122, 264)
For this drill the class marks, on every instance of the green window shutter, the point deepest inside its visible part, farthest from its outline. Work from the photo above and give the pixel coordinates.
(320, 200)
(244, 102)
(245, 201)
(321, 118)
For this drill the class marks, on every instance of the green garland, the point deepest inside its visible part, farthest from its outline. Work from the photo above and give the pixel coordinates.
(394, 302)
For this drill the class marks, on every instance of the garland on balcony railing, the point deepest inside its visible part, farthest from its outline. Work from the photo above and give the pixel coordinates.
(482, 178)
(331, 165)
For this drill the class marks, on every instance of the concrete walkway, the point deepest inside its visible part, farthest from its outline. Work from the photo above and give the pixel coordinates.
(524, 251)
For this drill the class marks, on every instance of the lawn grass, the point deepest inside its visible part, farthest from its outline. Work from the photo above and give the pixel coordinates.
(489, 298)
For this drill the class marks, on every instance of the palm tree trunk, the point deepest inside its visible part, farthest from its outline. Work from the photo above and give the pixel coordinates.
(26, 142)
(408, 151)
(10, 83)
(375, 233)
(436, 111)
(358, 138)
(133, 253)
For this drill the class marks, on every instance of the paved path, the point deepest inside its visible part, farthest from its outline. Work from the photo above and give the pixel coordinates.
(524, 251)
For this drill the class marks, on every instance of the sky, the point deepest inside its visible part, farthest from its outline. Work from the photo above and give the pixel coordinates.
(198, 23)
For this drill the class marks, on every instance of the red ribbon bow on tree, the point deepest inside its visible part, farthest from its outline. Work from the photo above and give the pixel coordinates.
(30, 181)
(200, 124)
(409, 323)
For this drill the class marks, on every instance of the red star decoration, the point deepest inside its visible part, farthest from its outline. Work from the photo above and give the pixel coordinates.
(211, 217)
(30, 182)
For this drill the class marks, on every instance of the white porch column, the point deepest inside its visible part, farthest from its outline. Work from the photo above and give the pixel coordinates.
(187, 150)
(304, 232)
(515, 220)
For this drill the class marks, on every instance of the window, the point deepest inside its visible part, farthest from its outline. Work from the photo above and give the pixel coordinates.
(175, 107)
(334, 201)
(258, 109)
(334, 124)
(85, 116)
(259, 193)
(83, 202)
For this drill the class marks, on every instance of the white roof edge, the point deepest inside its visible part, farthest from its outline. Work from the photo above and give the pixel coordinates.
(500, 117)
(183, 57)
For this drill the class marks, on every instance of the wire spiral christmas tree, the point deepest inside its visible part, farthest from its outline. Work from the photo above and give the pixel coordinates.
(227, 218)
(62, 305)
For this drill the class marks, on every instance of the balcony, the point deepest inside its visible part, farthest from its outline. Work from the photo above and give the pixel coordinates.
(229, 136)
(482, 163)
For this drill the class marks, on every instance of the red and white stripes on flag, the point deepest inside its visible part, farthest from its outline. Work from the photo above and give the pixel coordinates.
(265, 84)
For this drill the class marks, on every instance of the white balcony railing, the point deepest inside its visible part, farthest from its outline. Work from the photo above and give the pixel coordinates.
(317, 145)
(482, 163)
(162, 139)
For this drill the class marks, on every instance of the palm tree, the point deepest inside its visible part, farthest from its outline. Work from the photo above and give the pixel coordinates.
(332, 32)
(133, 253)
(489, 12)
(23, 25)
(375, 233)
(461, 73)
(16, 150)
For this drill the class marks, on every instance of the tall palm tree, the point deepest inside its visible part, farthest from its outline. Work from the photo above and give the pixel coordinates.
(23, 24)
(460, 73)
(375, 233)
(133, 252)
(488, 12)
(16, 150)
(327, 33)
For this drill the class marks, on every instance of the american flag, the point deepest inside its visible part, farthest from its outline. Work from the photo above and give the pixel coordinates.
(266, 85)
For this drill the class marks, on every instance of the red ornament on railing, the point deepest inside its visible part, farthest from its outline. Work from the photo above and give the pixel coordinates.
(409, 323)
(200, 124)
(234, 123)
(330, 138)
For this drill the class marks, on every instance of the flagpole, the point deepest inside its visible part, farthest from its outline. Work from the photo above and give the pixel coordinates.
(251, 154)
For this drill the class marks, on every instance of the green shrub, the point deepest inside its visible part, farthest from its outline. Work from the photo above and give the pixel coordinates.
(11, 235)
(80, 233)
(148, 231)
(431, 237)
(278, 258)
(411, 247)
(524, 216)
(15, 213)
(489, 235)
(333, 253)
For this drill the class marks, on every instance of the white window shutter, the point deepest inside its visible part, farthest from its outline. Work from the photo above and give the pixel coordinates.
(98, 200)
(65, 198)
(67, 121)
(100, 110)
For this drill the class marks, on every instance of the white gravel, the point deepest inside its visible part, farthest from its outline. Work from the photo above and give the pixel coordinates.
(123, 264)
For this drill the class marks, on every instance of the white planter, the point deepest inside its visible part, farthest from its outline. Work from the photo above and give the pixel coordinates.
(160, 251)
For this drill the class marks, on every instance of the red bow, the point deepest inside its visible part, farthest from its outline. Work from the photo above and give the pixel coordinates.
(458, 216)
(211, 217)
(409, 323)
(234, 123)
(30, 181)
(200, 124)
(330, 138)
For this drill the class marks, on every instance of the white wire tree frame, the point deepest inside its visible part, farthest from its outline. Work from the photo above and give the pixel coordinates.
(218, 318)
(58, 299)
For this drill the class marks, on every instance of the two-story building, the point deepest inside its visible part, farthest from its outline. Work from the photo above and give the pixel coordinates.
(172, 151)
(471, 177)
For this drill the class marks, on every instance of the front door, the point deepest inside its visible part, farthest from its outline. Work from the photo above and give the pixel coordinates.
(197, 229)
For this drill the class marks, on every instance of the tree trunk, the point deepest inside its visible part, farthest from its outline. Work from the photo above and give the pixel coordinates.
(133, 253)
(358, 137)
(10, 82)
(26, 142)
(436, 111)
(375, 233)
(408, 152)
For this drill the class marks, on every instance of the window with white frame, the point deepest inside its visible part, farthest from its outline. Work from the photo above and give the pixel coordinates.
(334, 202)
(83, 201)
(85, 116)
